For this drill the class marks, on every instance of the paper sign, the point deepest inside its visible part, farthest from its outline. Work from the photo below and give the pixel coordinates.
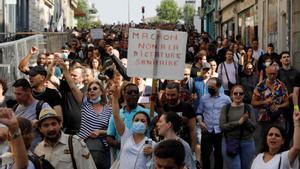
(97, 33)
(156, 54)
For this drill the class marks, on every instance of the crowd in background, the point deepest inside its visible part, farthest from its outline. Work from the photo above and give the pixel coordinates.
(78, 108)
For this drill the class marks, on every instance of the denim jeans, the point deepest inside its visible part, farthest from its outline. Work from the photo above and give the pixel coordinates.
(243, 159)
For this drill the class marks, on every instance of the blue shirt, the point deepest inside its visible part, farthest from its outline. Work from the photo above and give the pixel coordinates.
(210, 109)
(127, 119)
(202, 89)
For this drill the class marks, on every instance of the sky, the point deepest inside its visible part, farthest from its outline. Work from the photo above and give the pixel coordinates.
(116, 11)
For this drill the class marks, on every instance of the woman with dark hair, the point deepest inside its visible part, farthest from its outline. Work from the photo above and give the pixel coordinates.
(136, 147)
(237, 122)
(168, 125)
(95, 65)
(273, 153)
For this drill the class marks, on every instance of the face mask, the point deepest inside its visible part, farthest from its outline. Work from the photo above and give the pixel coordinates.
(65, 55)
(267, 64)
(95, 101)
(212, 91)
(138, 128)
(77, 85)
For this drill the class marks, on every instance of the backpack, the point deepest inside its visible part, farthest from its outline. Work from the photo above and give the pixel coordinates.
(38, 108)
(40, 162)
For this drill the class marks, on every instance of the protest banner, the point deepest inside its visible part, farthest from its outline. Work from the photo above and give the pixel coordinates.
(156, 54)
(97, 33)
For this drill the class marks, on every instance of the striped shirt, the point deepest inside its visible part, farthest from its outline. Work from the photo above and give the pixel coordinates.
(90, 121)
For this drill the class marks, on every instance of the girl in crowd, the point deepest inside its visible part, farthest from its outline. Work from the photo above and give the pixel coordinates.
(237, 121)
(273, 154)
(168, 125)
(95, 64)
(136, 148)
(213, 68)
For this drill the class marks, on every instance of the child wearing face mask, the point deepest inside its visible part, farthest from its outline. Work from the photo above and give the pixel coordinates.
(136, 152)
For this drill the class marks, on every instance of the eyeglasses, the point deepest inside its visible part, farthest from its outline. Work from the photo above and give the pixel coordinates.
(93, 88)
(238, 94)
(130, 92)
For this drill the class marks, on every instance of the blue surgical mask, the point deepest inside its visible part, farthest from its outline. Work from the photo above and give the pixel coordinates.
(138, 128)
(96, 100)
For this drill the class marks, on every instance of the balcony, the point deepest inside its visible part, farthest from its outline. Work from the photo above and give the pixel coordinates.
(49, 3)
(74, 3)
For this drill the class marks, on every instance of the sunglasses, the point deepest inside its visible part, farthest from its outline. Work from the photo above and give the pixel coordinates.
(93, 88)
(130, 92)
(238, 93)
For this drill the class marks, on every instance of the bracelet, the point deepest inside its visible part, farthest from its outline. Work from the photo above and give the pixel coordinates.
(296, 107)
(296, 125)
(16, 134)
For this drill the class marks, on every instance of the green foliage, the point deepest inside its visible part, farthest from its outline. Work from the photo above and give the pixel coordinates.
(188, 12)
(169, 11)
(84, 22)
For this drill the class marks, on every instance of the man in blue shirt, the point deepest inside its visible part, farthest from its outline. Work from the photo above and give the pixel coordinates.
(131, 96)
(208, 114)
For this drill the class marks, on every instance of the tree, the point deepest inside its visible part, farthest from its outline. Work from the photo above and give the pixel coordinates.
(169, 11)
(84, 21)
(188, 12)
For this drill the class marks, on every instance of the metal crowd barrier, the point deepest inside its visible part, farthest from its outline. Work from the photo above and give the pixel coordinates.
(13, 51)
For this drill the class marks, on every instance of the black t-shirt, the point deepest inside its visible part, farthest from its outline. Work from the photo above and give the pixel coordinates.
(185, 110)
(51, 96)
(71, 109)
(297, 81)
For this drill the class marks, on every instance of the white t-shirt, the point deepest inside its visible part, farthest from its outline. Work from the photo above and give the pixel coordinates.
(259, 162)
(257, 53)
(132, 156)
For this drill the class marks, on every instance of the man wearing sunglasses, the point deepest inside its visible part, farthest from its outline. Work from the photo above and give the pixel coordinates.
(127, 112)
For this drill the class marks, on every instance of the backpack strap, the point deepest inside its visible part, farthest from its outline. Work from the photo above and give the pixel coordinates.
(38, 108)
(15, 107)
(70, 142)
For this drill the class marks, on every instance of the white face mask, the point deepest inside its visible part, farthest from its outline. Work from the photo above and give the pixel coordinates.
(267, 64)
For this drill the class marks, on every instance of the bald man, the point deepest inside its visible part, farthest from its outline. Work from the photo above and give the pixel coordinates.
(270, 98)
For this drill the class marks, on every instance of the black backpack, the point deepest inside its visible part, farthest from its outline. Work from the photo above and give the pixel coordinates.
(40, 162)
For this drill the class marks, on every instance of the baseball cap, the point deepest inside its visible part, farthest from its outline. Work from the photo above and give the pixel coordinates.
(48, 113)
(37, 70)
(206, 65)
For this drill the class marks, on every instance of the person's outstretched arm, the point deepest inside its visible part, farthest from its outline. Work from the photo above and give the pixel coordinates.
(295, 149)
(24, 63)
(120, 126)
(8, 118)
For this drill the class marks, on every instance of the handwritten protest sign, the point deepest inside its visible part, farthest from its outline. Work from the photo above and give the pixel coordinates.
(156, 54)
(97, 33)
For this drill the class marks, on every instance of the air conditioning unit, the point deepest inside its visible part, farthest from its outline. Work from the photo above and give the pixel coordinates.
(217, 17)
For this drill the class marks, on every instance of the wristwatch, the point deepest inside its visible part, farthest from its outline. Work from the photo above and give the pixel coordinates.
(16, 134)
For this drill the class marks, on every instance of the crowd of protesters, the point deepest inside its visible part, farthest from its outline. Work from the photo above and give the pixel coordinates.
(78, 108)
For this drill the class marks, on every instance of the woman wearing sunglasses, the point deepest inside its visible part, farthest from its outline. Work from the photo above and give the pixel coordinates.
(237, 122)
(95, 114)
(136, 148)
